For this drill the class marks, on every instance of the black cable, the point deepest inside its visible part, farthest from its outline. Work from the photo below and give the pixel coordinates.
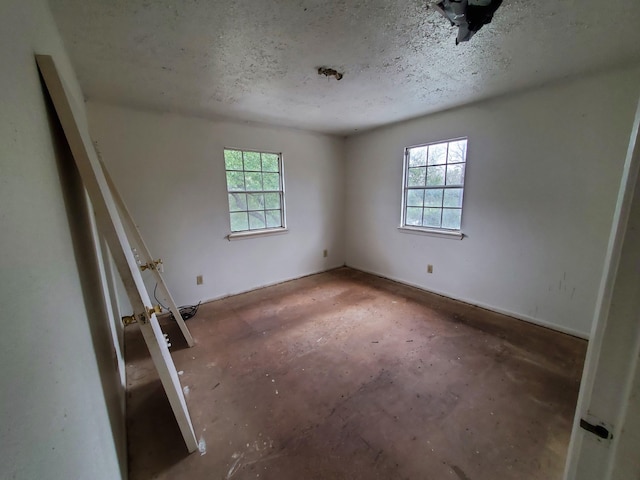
(186, 311)
(154, 296)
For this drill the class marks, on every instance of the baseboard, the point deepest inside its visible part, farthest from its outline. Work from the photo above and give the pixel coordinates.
(492, 308)
(272, 284)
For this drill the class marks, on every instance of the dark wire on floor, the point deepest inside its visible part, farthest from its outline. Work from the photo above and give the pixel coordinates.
(186, 311)
(154, 296)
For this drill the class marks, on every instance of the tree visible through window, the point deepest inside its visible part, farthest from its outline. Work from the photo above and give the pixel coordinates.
(255, 190)
(434, 184)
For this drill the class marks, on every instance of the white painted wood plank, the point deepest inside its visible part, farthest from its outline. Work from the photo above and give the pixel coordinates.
(116, 322)
(627, 462)
(134, 231)
(612, 354)
(110, 225)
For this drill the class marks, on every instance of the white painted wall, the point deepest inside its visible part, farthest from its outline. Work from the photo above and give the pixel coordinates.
(170, 172)
(60, 395)
(542, 178)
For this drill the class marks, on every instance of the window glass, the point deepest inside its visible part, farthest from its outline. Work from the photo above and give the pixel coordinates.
(255, 192)
(434, 185)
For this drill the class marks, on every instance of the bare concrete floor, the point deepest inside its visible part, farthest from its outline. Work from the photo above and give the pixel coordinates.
(344, 375)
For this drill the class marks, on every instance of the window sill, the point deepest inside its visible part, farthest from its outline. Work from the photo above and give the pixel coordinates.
(451, 234)
(256, 233)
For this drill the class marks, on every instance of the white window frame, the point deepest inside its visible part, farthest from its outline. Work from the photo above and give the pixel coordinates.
(242, 234)
(434, 231)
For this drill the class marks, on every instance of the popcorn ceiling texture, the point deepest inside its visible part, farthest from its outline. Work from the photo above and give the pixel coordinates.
(258, 61)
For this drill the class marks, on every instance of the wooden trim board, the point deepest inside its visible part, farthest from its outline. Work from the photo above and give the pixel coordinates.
(110, 226)
(134, 231)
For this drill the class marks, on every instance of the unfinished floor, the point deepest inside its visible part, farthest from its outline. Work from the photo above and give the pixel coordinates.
(344, 375)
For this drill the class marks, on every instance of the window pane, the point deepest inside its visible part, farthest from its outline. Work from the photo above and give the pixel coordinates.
(416, 177)
(414, 216)
(239, 221)
(438, 154)
(455, 174)
(453, 197)
(271, 181)
(432, 217)
(233, 159)
(415, 198)
(256, 201)
(451, 218)
(252, 161)
(435, 176)
(418, 157)
(274, 219)
(434, 192)
(457, 151)
(254, 181)
(256, 220)
(235, 181)
(237, 202)
(433, 198)
(269, 162)
(249, 175)
(272, 200)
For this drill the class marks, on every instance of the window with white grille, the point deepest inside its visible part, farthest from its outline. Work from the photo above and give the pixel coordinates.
(434, 185)
(255, 190)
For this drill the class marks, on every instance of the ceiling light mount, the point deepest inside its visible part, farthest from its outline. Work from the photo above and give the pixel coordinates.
(330, 72)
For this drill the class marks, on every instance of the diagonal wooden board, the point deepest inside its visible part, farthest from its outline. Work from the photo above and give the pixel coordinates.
(133, 230)
(110, 226)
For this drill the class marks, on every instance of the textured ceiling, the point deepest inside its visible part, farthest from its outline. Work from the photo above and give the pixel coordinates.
(257, 59)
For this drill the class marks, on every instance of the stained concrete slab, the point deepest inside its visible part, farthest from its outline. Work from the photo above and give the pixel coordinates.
(344, 375)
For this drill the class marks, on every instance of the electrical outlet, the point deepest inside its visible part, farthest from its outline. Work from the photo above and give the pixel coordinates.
(199, 280)
(325, 253)
(429, 268)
